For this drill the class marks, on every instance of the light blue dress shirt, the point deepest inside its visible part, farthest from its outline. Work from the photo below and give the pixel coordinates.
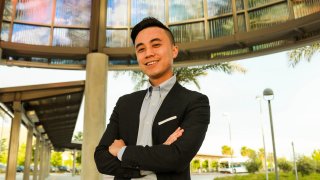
(149, 109)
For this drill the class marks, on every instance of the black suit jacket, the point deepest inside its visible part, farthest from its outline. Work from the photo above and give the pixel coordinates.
(187, 109)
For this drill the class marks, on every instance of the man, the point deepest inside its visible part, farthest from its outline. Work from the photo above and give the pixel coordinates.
(154, 133)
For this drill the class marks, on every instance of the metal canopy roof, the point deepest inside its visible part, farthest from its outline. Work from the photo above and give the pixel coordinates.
(56, 107)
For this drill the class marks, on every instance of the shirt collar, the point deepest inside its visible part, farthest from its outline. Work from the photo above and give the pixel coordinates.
(163, 87)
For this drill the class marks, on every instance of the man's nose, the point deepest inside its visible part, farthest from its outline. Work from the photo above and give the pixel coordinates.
(149, 52)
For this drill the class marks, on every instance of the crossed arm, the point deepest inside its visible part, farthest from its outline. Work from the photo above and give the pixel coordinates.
(174, 155)
(115, 147)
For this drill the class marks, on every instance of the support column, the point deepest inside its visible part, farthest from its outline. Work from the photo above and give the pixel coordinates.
(48, 161)
(94, 112)
(14, 142)
(42, 160)
(27, 161)
(36, 159)
(73, 162)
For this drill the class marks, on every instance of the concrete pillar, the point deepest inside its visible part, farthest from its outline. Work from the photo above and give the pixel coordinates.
(36, 159)
(14, 142)
(28, 153)
(48, 161)
(42, 160)
(94, 112)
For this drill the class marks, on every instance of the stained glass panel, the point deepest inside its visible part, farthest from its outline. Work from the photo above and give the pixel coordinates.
(70, 37)
(143, 8)
(117, 13)
(219, 7)
(28, 34)
(117, 38)
(36, 11)
(188, 32)
(5, 31)
(73, 12)
(180, 10)
(7, 10)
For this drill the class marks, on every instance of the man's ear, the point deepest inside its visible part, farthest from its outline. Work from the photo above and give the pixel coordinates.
(175, 51)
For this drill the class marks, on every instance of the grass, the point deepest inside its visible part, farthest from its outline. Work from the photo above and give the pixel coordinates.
(262, 176)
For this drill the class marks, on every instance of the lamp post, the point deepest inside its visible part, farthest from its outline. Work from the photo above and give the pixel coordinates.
(229, 124)
(294, 160)
(268, 95)
(264, 144)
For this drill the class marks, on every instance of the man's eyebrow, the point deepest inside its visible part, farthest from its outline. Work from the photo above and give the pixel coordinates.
(152, 40)
(139, 44)
(155, 39)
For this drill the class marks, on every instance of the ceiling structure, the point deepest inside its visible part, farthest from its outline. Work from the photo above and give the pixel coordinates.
(206, 32)
(51, 108)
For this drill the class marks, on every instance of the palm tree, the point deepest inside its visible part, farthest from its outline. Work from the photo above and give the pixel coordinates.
(307, 52)
(226, 150)
(188, 74)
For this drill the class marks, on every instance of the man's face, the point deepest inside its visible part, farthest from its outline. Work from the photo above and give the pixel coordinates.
(155, 54)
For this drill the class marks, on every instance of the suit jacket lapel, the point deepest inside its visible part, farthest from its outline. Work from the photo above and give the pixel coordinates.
(133, 114)
(168, 101)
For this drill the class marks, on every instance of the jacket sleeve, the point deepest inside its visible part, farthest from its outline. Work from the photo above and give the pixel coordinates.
(106, 163)
(177, 156)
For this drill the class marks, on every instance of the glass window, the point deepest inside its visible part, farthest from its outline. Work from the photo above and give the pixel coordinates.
(218, 7)
(117, 13)
(36, 11)
(143, 8)
(188, 32)
(7, 10)
(256, 3)
(239, 4)
(73, 12)
(5, 31)
(180, 10)
(221, 27)
(241, 23)
(70, 37)
(117, 38)
(27, 34)
(304, 8)
(268, 16)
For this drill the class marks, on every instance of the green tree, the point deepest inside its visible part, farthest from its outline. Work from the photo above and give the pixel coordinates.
(22, 154)
(214, 165)
(305, 165)
(195, 165)
(316, 157)
(56, 158)
(284, 165)
(78, 137)
(226, 150)
(245, 151)
(187, 74)
(3, 152)
(205, 165)
(307, 52)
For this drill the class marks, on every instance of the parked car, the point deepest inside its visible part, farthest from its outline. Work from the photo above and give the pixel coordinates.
(63, 169)
(53, 169)
(20, 168)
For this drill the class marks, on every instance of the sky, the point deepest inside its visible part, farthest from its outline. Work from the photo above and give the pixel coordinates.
(232, 100)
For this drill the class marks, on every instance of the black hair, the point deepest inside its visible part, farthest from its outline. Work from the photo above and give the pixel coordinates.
(150, 22)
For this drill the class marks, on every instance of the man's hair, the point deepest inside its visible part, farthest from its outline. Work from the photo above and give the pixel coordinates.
(150, 22)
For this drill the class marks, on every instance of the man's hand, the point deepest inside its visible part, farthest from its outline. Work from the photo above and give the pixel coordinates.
(174, 136)
(115, 147)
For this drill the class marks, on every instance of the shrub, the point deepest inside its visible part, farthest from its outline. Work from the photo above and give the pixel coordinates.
(252, 165)
(305, 165)
(284, 165)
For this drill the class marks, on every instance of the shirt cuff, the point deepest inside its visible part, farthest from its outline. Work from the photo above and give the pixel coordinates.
(120, 153)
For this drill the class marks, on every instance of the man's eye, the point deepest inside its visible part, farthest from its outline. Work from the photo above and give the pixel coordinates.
(141, 50)
(156, 45)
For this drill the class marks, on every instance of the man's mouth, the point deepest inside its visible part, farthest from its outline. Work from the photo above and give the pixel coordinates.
(151, 63)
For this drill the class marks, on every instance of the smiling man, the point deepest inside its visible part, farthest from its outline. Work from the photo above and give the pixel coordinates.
(154, 133)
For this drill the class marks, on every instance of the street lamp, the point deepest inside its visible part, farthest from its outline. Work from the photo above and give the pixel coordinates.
(229, 124)
(264, 144)
(268, 95)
